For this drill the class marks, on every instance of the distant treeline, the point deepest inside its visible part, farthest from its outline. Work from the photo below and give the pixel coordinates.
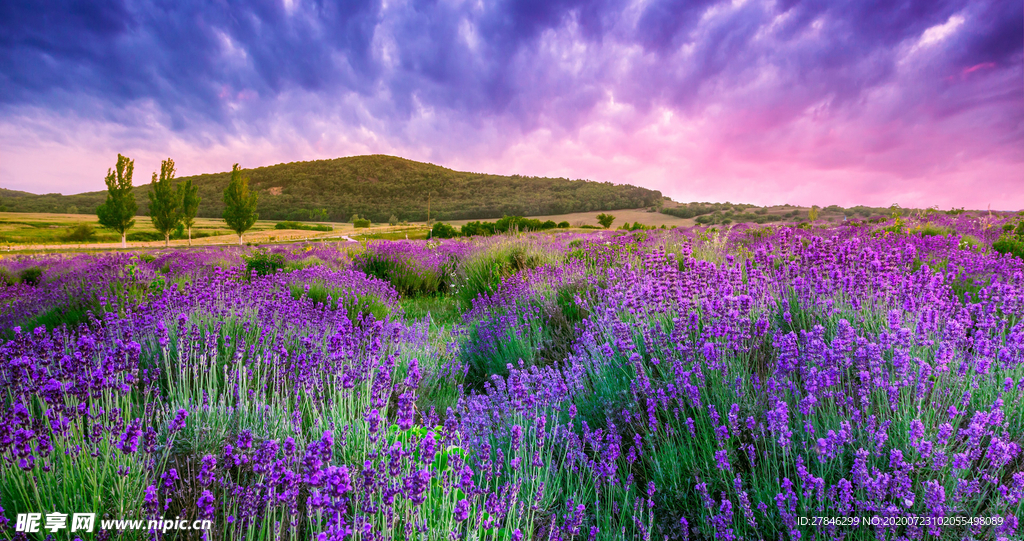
(504, 225)
(726, 213)
(378, 188)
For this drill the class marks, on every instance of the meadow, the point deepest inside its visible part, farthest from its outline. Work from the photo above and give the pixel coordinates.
(688, 383)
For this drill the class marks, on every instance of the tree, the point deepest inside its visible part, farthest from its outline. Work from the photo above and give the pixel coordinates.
(813, 213)
(188, 194)
(118, 211)
(165, 201)
(605, 220)
(239, 203)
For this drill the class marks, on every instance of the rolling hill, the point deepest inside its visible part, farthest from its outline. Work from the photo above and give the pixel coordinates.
(375, 187)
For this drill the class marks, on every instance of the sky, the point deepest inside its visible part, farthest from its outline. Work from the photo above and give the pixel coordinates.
(848, 102)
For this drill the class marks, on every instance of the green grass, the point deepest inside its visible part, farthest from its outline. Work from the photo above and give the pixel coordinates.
(443, 310)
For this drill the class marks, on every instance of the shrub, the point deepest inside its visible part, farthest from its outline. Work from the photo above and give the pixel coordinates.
(1009, 244)
(145, 236)
(302, 226)
(361, 222)
(263, 262)
(563, 225)
(931, 230)
(442, 230)
(7, 278)
(484, 272)
(477, 228)
(550, 224)
(81, 233)
(516, 223)
(31, 276)
(402, 271)
(605, 220)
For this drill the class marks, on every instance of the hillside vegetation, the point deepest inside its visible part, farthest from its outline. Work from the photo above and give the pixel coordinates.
(376, 187)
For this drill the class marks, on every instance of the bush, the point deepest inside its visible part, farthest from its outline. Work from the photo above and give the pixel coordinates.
(263, 263)
(442, 230)
(1009, 244)
(81, 233)
(477, 228)
(31, 276)
(563, 225)
(516, 223)
(7, 278)
(605, 220)
(145, 236)
(302, 226)
(550, 224)
(361, 222)
(485, 271)
(403, 272)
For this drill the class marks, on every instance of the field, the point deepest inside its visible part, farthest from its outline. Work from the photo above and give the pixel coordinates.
(45, 231)
(21, 231)
(687, 383)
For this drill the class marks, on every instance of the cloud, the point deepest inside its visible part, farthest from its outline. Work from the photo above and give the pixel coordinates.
(743, 100)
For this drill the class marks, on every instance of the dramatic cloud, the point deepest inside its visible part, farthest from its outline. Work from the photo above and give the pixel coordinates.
(847, 102)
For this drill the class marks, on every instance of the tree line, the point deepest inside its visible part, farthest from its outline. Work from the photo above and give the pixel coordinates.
(171, 204)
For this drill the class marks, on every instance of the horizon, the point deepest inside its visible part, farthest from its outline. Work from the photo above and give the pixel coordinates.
(754, 102)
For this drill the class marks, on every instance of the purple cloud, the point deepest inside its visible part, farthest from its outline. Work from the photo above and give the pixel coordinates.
(915, 102)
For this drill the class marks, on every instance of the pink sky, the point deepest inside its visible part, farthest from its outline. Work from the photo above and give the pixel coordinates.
(756, 102)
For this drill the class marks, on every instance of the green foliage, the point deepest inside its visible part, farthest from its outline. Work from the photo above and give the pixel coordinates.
(443, 310)
(605, 220)
(636, 226)
(165, 200)
(145, 236)
(693, 210)
(189, 198)
(478, 228)
(393, 220)
(361, 222)
(563, 225)
(404, 273)
(263, 262)
(357, 307)
(484, 272)
(80, 233)
(239, 203)
(813, 213)
(31, 276)
(970, 242)
(302, 226)
(7, 278)
(549, 224)
(443, 231)
(931, 230)
(1010, 244)
(516, 223)
(118, 211)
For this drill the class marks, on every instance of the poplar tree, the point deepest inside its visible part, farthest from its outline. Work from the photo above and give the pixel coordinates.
(189, 195)
(118, 211)
(239, 204)
(165, 201)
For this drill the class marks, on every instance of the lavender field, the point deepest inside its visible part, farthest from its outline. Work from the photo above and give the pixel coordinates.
(668, 384)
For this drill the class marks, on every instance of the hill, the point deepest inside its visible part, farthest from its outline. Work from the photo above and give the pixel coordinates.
(375, 187)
